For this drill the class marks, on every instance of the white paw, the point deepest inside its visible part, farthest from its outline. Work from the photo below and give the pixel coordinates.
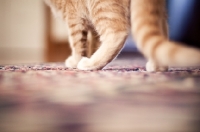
(71, 62)
(85, 64)
(152, 67)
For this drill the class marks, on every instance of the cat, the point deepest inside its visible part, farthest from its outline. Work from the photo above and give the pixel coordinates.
(110, 21)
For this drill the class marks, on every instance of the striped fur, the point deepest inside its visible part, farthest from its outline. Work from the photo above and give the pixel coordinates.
(109, 22)
(149, 27)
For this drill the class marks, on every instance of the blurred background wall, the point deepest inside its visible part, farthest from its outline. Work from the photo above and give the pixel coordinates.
(184, 21)
(23, 28)
(22, 34)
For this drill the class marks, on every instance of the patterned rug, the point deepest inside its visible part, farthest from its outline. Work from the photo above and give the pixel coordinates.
(122, 97)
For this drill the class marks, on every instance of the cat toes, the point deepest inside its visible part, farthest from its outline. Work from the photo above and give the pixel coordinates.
(71, 62)
(85, 64)
(152, 67)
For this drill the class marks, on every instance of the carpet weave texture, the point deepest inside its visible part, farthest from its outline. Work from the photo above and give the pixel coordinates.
(122, 97)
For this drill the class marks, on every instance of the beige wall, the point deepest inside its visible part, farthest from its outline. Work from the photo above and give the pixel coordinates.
(22, 35)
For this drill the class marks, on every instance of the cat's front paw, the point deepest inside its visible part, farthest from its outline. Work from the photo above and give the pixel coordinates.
(85, 64)
(89, 64)
(71, 62)
(152, 67)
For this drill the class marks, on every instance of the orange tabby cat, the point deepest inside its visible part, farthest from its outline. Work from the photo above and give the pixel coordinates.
(111, 20)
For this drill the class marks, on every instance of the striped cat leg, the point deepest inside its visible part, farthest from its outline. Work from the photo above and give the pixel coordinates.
(108, 50)
(78, 42)
(151, 65)
(110, 20)
(112, 41)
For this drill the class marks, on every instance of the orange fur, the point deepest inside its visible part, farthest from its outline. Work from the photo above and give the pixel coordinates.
(109, 21)
(149, 27)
